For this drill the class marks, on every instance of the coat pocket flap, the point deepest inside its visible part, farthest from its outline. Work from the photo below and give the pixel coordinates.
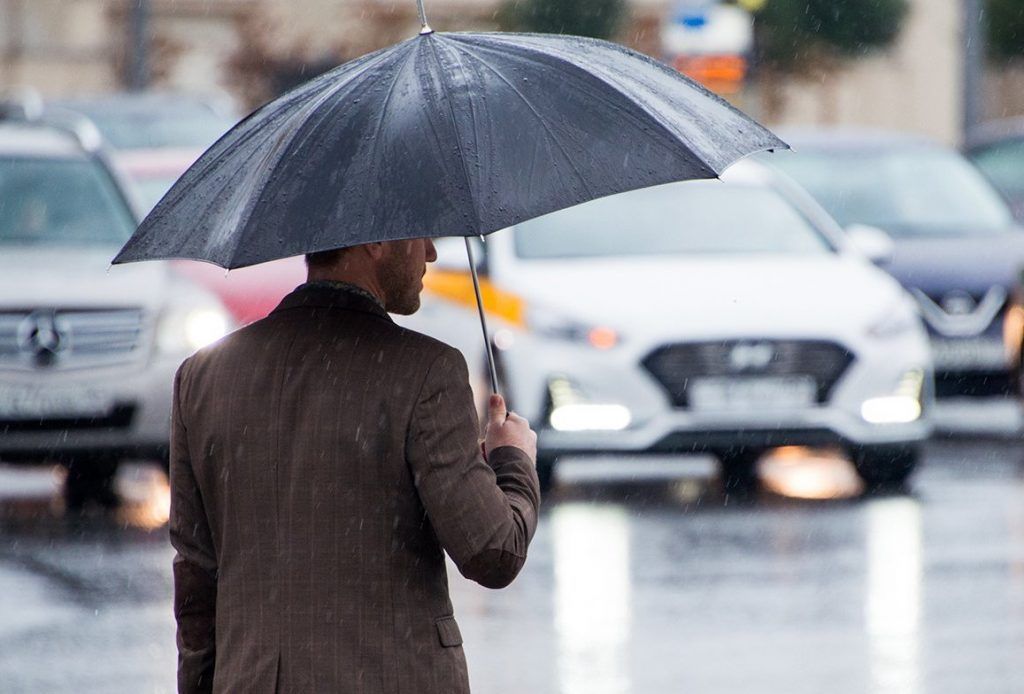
(448, 632)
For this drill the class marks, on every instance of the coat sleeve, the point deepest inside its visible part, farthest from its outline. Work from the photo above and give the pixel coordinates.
(484, 513)
(195, 563)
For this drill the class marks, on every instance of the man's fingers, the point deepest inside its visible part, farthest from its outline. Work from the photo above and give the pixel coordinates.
(497, 409)
(513, 417)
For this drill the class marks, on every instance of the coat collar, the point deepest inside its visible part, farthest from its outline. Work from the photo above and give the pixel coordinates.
(326, 296)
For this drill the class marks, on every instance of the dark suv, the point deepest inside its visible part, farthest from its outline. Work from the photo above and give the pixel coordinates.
(957, 249)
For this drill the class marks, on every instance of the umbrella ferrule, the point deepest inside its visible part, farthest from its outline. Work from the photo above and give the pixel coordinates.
(425, 28)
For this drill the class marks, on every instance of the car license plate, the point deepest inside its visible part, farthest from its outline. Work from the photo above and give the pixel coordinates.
(968, 353)
(32, 403)
(754, 393)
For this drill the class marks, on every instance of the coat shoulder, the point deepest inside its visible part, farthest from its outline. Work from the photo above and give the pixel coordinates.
(428, 347)
(394, 343)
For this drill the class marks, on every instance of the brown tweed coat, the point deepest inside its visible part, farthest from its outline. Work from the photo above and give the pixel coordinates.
(323, 460)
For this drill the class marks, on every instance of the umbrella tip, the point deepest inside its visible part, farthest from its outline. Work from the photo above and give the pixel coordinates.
(426, 30)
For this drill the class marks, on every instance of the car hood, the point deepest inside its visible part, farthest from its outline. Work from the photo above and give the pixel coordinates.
(824, 296)
(82, 277)
(968, 263)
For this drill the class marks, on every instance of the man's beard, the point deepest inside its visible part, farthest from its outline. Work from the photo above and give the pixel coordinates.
(401, 286)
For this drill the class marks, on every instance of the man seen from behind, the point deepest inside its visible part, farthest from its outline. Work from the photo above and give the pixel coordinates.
(323, 460)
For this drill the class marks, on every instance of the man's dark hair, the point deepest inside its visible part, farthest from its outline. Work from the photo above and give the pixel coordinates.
(322, 259)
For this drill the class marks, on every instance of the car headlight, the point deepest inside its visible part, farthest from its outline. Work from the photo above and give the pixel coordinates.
(548, 323)
(191, 329)
(516, 311)
(896, 321)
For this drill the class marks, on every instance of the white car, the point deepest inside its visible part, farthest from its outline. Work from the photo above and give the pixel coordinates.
(726, 316)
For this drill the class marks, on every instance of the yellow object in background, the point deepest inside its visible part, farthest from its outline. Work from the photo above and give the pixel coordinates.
(458, 287)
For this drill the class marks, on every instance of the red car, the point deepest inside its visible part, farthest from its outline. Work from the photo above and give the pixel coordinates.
(249, 293)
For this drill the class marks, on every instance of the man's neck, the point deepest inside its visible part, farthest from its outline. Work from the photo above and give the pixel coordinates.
(348, 287)
(362, 283)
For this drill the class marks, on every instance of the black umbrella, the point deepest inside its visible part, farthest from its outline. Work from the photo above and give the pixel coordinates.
(445, 134)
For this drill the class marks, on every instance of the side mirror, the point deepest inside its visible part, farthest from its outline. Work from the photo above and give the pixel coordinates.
(871, 242)
(451, 255)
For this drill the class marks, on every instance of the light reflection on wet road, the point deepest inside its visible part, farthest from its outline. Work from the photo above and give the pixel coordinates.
(654, 583)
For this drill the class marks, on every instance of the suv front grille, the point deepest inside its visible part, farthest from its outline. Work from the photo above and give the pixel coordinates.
(119, 418)
(69, 338)
(674, 366)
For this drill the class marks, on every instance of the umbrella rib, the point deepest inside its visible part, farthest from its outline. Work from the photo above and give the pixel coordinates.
(540, 119)
(284, 141)
(458, 139)
(615, 86)
(391, 91)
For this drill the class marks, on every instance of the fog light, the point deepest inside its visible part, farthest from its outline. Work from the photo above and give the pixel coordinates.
(891, 409)
(902, 407)
(588, 417)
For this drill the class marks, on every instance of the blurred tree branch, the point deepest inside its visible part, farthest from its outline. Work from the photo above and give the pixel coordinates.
(597, 18)
(261, 70)
(815, 38)
(795, 35)
(1005, 25)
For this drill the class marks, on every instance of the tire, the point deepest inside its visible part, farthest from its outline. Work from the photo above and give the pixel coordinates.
(739, 470)
(91, 479)
(885, 467)
(546, 472)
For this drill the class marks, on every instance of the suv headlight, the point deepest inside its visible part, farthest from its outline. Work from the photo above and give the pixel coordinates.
(188, 329)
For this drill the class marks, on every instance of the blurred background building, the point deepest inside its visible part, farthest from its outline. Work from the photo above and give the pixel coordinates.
(254, 49)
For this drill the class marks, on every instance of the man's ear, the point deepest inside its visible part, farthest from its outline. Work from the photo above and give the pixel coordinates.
(375, 250)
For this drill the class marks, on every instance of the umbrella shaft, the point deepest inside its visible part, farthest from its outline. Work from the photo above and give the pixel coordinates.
(423, 13)
(483, 320)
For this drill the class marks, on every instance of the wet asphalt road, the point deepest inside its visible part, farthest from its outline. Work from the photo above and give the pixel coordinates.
(654, 582)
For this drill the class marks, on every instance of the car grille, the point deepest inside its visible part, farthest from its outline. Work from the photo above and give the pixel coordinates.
(674, 366)
(963, 314)
(69, 338)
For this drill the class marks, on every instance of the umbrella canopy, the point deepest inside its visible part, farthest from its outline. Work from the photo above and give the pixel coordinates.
(446, 134)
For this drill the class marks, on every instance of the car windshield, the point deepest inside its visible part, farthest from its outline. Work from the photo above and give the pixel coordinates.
(60, 201)
(151, 190)
(1003, 163)
(917, 191)
(179, 126)
(706, 217)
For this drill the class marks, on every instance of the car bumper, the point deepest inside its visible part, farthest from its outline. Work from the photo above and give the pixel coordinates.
(979, 416)
(689, 432)
(657, 425)
(137, 424)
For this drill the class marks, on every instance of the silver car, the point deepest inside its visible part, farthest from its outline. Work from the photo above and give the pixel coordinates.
(87, 352)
